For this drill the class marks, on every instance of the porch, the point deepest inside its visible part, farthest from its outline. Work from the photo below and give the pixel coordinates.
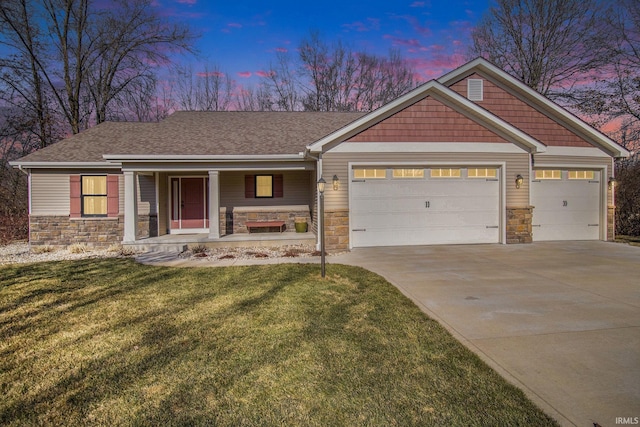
(181, 242)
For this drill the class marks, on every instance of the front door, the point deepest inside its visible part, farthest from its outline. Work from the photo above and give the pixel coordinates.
(189, 210)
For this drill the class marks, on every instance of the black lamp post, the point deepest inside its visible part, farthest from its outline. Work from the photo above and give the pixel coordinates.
(321, 184)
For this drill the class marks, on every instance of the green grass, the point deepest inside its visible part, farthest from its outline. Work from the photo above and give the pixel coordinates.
(111, 342)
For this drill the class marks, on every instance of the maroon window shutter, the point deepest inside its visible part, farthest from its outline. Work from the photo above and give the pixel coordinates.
(278, 186)
(249, 187)
(75, 202)
(113, 196)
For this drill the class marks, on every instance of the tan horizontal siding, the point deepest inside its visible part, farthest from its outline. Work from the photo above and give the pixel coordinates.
(50, 194)
(337, 164)
(146, 195)
(296, 186)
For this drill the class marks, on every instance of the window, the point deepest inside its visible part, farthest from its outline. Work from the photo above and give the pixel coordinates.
(581, 174)
(445, 173)
(408, 173)
(370, 173)
(94, 195)
(548, 174)
(481, 172)
(264, 185)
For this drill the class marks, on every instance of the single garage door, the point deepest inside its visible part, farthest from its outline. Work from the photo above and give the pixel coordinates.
(400, 206)
(566, 204)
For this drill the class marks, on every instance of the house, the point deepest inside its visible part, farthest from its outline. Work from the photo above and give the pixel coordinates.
(472, 157)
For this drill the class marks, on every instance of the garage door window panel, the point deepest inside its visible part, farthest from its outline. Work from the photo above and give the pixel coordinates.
(548, 174)
(369, 173)
(408, 173)
(577, 174)
(482, 173)
(445, 173)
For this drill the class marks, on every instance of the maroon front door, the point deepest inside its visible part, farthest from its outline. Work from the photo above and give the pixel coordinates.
(189, 203)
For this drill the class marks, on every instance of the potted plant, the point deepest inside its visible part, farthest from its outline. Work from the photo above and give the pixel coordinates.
(301, 224)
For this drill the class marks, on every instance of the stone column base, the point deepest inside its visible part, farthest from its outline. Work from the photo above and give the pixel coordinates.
(519, 225)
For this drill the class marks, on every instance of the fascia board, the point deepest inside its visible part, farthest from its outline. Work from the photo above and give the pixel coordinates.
(482, 65)
(200, 158)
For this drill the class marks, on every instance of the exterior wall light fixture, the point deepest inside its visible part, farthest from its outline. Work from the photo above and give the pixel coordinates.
(519, 180)
(336, 183)
(612, 183)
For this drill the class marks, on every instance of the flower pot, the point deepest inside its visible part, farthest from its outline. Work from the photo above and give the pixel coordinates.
(301, 227)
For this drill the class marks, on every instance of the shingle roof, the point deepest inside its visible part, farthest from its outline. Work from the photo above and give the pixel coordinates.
(203, 133)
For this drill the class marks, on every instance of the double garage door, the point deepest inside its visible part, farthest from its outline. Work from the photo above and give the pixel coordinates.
(566, 204)
(425, 206)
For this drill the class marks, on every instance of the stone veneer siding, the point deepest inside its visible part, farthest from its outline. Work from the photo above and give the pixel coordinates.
(336, 229)
(611, 223)
(519, 225)
(235, 219)
(64, 231)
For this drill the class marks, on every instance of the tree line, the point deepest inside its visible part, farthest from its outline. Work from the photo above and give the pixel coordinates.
(67, 65)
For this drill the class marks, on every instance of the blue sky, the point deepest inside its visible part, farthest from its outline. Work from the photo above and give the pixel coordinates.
(242, 36)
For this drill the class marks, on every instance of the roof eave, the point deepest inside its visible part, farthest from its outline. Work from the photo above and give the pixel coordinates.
(63, 165)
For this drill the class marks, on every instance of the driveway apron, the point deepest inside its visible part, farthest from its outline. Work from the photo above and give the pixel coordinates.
(561, 320)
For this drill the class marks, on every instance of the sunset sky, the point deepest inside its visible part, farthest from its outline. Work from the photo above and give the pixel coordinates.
(242, 36)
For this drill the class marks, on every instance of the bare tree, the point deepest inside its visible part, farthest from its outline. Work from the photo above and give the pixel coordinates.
(95, 52)
(281, 83)
(254, 99)
(209, 90)
(548, 44)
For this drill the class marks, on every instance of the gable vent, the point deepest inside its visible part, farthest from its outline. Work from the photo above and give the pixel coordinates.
(474, 89)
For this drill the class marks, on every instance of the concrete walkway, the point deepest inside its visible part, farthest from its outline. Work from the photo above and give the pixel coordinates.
(561, 320)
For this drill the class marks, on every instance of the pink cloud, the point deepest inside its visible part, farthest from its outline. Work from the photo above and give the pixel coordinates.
(372, 24)
(397, 41)
(234, 25)
(189, 2)
(210, 74)
(263, 73)
(244, 74)
(436, 66)
(281, 49)
(417, 4)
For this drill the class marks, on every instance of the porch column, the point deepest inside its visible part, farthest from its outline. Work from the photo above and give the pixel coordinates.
(130, 206)
(214, 204)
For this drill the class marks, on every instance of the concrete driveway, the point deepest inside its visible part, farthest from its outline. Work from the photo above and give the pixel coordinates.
(561, 320)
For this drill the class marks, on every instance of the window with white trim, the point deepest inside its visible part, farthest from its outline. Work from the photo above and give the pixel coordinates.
(408, 173)
(369, 173)
(548, 174)
(445, 173)
(481, 172)
(581, 174)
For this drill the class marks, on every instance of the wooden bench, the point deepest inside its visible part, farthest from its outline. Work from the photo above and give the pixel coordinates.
(264, 224)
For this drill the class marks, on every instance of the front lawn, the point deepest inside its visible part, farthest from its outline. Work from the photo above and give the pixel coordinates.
(111, 342)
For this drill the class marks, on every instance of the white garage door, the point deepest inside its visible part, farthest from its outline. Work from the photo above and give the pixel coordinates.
(566, 205)
(395, 207)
